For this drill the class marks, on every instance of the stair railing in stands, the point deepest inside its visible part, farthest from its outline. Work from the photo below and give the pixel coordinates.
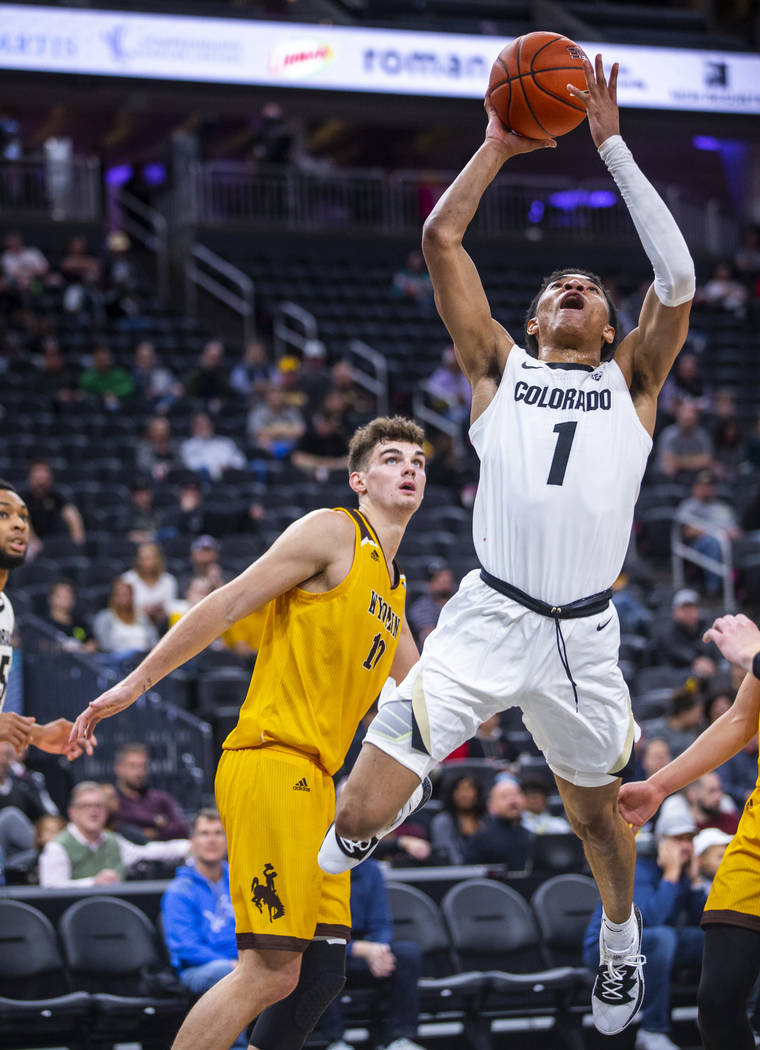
(370, 372)
(209, 271)
(292, 327)
(148, 227)
(426, 415)
(681, 552)
(51, 187)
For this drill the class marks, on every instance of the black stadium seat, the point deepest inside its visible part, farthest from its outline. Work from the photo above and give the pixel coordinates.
(563, 906)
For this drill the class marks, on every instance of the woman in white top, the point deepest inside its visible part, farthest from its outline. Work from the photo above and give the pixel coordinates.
(155, 589)
(121, 629)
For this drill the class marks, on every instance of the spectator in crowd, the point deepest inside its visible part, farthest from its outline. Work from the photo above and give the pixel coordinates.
(120, 630)
(121, 281)
(156, 813)
(288, 378)
(144, 520)
(727, 435)
(154, 588)
(157, 452)
(464, 809)
(322, 448)
(204, 560)
(412, 283)
(490, 741)
(207, 453)
(652, 753)
(536, 816)
(209, 382)
(22, 264)
(196, 911)
(633, 614)
(56, 380)
(721, 696)
(449, 387)
(684, 721)
(188, 517)
(254, 372)
(679, 641)
(78, 263)
(155, 386)
(739, 774)
(85, 854)
(502, 838)
(684, 383)
(197, 589)
(274, 425)
(701, 512)
(425, 610)
(710, 806)
(50, 511)
(709, 847)
(61, 614)
(105, 382)
(669, 894)
(315, 376)
(23, 800)
(360, 405)
(684, 447)
(723, 291)
(373, 957)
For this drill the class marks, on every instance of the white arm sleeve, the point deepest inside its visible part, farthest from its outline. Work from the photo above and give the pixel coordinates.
(674, 281)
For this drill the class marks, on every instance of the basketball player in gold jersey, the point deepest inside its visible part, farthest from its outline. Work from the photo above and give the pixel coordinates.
(731, 918)
(334, 632)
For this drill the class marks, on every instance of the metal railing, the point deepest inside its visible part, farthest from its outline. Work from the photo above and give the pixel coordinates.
(370, 372)
(42, 187)
(220, 279)
(681, 552)
(148, 227)
(292, 328)
(424, 413)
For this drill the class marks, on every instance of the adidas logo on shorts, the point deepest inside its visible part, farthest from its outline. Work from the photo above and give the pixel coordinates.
(301, 785)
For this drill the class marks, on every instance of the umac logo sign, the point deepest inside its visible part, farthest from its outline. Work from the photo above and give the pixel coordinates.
(300, 58)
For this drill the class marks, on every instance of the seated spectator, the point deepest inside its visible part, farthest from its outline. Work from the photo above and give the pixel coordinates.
(502, 838)
(207, 453)
(360, 405)
(710, 806)
(209, 382)
(153, 587)
(50, 512)
(723, 291)
(425, 610)
(315, 378)
(727, 435)
(684, 447)
(373, 958)
(274, 425)
(78, 263)
(155, 386)
(412, 283)
(684, 383)
(204, 561)
(22, 265)
(709, 847)
(120, 630)
(55, 379)
(106, 383)
(652, 754)
(61, 613)
(464, 809)
(322, 447)
(154, 812)
(144, 520)
(633, 614)
(669, 894)
(684, 721)
(450, 388)
(196, 911)
(739, 775)
(679, 641)
(120, 276)
(157, 452)
(23, 801)
(703, 512)
(288, 378)
(197, 589)
(85, 854)
(254, 372)
(536, 817)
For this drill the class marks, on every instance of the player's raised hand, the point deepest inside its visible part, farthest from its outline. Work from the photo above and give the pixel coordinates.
(15, 729)
(115, 699)
(737, 637)
(638, 801)
(55, 738)
(497, 132)
(600, 100)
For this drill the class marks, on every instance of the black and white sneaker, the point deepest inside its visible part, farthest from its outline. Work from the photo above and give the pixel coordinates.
(619, 985)
(337, 854)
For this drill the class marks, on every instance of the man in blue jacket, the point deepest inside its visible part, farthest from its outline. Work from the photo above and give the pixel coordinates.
(670, 894)
(196, 911)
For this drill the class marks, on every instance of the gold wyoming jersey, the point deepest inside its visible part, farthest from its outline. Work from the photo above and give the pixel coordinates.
(324, 658)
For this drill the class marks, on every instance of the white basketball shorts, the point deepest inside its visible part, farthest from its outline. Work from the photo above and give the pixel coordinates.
(489, 653)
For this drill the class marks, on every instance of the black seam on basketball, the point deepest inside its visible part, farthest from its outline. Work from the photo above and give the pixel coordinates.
(527, 103)
(495, 87)
(558, 98)
(557, 36)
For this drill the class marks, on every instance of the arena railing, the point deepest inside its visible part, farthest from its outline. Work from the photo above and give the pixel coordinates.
(682, 552)
(293, 326)
(224, 282)
(44, 186)
(146, 225)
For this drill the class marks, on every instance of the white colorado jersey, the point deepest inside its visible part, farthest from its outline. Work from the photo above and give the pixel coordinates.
(6, 650)
(562, 453)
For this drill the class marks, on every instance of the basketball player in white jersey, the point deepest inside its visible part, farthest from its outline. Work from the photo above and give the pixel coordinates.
(14, 728)
(563, 430)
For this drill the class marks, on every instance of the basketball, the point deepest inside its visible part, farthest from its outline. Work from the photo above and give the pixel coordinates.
(528, 85)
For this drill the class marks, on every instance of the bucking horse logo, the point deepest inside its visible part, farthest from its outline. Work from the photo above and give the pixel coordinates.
(265, 893)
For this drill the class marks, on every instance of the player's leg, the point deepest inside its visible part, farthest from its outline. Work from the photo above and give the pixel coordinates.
(730, 965)
(376, 789)
(262, 977)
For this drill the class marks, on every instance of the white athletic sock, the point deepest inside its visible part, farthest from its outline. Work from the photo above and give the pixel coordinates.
(618, 936)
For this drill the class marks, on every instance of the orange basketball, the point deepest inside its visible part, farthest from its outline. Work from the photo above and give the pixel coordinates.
(528, 85)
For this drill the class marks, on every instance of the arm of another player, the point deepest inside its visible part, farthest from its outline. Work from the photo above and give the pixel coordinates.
(481, 343)
(648, 352)
(308, 547)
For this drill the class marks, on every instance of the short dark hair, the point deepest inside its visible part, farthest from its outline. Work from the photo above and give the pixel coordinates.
(206, 813)
(6, 485)
(129, 748)
(384, 428)
(608, 349)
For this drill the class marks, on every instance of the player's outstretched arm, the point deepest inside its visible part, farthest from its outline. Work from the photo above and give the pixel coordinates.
(306, 548)
(459, 294)
(55, 738)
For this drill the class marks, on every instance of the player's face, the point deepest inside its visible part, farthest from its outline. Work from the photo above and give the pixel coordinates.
(395, 475)
(14, 530)
(572, 304)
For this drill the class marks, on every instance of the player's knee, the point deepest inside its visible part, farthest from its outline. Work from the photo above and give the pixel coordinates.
(267, 982)
(597, 828)
(354, 819)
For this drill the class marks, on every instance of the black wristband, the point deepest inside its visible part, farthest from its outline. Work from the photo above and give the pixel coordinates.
(756, 665)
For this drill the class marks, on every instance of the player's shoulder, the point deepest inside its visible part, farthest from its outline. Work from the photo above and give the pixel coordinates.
(329, 524)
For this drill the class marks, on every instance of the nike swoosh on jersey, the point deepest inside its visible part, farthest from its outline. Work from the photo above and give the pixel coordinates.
(601, 626)
(526, 365)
